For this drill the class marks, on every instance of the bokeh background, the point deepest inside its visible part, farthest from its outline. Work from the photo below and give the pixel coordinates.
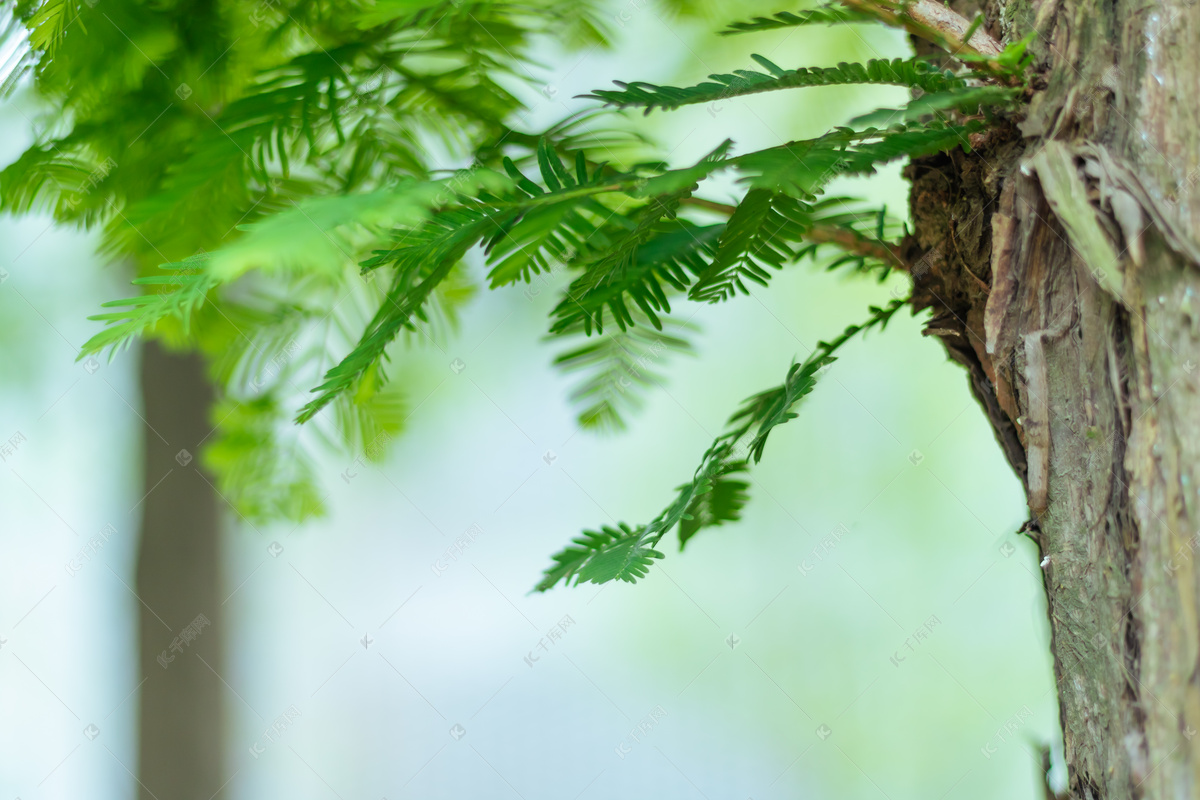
(873, 627)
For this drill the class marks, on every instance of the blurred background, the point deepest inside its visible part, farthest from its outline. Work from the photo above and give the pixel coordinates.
(873, 627)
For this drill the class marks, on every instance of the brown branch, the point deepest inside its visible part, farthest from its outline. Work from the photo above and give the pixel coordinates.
(936, 23)
(844, 238)
(710, 205)
(856, 243)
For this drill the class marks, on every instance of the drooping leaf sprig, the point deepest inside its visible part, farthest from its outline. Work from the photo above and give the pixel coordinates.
(716, 494)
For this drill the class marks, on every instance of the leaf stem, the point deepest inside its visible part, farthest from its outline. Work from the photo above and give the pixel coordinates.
(846, 239)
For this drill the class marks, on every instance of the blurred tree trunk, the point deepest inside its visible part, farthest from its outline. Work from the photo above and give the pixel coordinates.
(1061, 262)
(178, 581)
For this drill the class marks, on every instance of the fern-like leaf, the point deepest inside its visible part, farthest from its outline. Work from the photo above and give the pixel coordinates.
(179, 295)
(767, 231)
(760, 414)
(913, 72)
(601, 556)
(712, 497)
(663, 259)
(619, 365)
(421, 263)
(755, 239)
(263, 479)
(967, 101)
(803, 168)
(722, 503)
(828, 14)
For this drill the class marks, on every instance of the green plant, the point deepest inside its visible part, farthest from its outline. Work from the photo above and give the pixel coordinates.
(315, 154)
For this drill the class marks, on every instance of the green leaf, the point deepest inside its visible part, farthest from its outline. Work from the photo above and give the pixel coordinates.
(755, 239)
(803, 168)
(829, 14)
(760, 414)
(967, 101)
(722, 503)
(180, 294)
(619, 365)
(422, 261)
(261, 477)
(534, 240)
(370, 419)
(310, 235)
(658, 258)
(914, 72)
(681, 181)
(712, 497)
(46, 26)
(601, 556)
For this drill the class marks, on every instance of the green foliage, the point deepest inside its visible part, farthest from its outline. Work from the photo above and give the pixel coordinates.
(177, 297)
(802, 169)
(768, 230)
(290, 139)
(916, 73)
(722, 503)
(412, 285)
(713, 496)
(283, 166)
(618, 366)
(601, 556)
(263, 479)
(828, 14)
(966, 101)
(1010, 65)
(627, 261)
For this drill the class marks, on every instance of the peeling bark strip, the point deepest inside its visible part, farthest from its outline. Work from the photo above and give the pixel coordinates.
(1061, 262)
(1068, 196)
(1037, 424)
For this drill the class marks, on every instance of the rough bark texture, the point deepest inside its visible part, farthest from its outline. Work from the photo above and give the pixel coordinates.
(1061, 264)
(178, 580)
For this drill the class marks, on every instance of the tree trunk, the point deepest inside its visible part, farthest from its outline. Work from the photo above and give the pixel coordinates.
(178, 583)
(1061, 262)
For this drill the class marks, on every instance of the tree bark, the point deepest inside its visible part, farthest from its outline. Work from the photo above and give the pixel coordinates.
(178, 583)
(1061, 263)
